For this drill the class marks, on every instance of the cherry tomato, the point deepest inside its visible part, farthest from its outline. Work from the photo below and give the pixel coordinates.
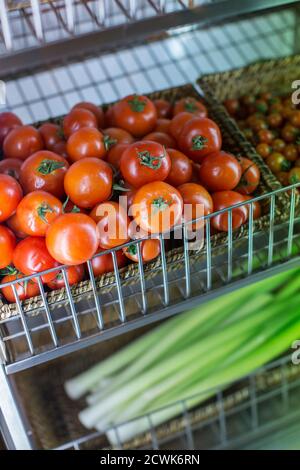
(96, 110)
(112, 224)
(10, 196)
(8, 122)
(31, 256)
(220, 171)
(181, 168)
(278, 145)
(88, 182)
(150, 249)
(72, 239)
(257, 123)
(232, 106)
(25, 290)
(190, 105)
(136, 114)
(163, 125)
(104, 263)
(114, 136)
(162, 138)
(295, 118)
(157, 207)
(75, 274)
(11, 167)
(87, 142)
(22, 142)
(250, 176)
(290, 152)
(199, 137)
(265, 135)
(197, 202)
(14, 224)
(264, 150)
(274, 120)
(222, 200)
(114, 155)
(37, 211)
(283, 177)
(256, 208)
(44, 171)
(7, 246)
(52, 135)
(163, 108)
(294, 175)
(277, 162)
(76, 119)
(289, 133)
(143, 162)
(178, 122)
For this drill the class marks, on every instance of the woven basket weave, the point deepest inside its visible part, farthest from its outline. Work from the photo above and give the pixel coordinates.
(175, 257)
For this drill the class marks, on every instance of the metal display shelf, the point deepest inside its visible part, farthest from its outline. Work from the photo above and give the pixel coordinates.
(54, 86)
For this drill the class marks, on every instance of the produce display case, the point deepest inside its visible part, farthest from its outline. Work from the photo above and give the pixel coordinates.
(53, 54)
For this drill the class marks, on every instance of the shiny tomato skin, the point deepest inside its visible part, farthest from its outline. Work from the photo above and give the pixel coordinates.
(112, 224)
(190, 105)
(76, 119)
(44, 171)
(225, 199)
(31, 256)
(72, 239)
(52, 135)
(163, 125)
(75, 274)
(143, 162)
(37, 211)
(96, 110)
(11, 167)
(163, 107)
(220, 171)
(200, 137)
(8, 122)
(181, 168)
(88, 182)
(7, 246)
(104, 264)
(178, 122)
(14, 224)
(193, 193)
(136, 114)
(10, 195)
(162, 138)
(250, 176)
(22, 142)
(31, 289)
(114, 155)
(115, 136)
(87, 142)
(150, 249)
(157, 207)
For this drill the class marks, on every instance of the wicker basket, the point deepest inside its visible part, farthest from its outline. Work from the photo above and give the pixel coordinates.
(175, 257)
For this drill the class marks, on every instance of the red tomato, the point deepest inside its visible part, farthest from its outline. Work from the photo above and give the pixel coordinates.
(150, 249)
(76, 119)
(222, 200)
(136, 114)
(195, 194)
(104, 263)
(157, 207)
(178, 122)
(44, 171)
(14, 224)
(220, 171)
(143, 162)
(110, 117)
(232, 106)
(10, 196)
(256, 208)
(114, 155)
(7, 246)
(8, 121)
(162, 138)
(181, 168)
(22, 142)
(87, 142)
(25, 290)
(37, 211)
(115, 135)
(61, 149)
(163, 108)
(163, 125)
(250, 176)
(75, 274)
(31, 257)
(11, 167)
(200, 137)
(52, 135)
(88, 182)
(190, 105)
(96, 110)
(112, 224)
(72, 239)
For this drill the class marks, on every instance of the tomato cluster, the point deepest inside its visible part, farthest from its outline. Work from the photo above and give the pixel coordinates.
(60, 186)
(272, 123)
